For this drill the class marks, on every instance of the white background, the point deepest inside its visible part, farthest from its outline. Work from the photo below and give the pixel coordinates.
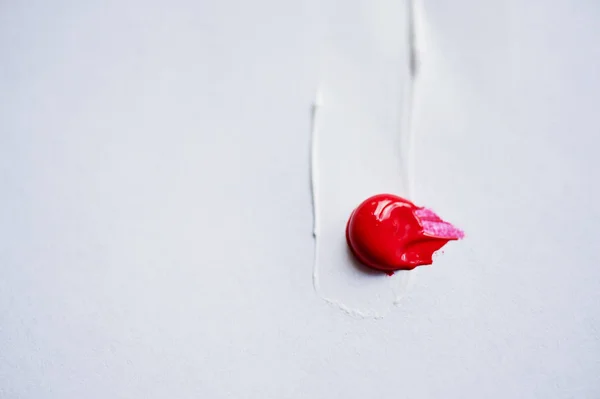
(155, 211)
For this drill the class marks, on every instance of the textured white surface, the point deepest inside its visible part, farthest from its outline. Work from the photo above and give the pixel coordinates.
(155, 210)
(359, 132)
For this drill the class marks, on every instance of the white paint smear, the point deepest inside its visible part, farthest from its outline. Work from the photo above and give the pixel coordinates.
(360, 143)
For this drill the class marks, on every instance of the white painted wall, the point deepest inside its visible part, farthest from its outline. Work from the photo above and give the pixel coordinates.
(155, 214)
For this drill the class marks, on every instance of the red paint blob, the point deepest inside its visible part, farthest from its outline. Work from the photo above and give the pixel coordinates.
(389, 233)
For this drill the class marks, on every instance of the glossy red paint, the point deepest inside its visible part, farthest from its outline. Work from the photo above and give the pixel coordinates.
(389, 233)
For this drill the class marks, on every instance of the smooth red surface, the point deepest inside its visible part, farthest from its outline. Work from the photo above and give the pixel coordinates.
(390, 233)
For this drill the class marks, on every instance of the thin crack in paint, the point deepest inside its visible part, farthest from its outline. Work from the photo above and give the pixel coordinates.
(407, 129)
(313, 182)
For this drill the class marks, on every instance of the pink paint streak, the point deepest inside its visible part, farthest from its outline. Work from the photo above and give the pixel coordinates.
(434, 226)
